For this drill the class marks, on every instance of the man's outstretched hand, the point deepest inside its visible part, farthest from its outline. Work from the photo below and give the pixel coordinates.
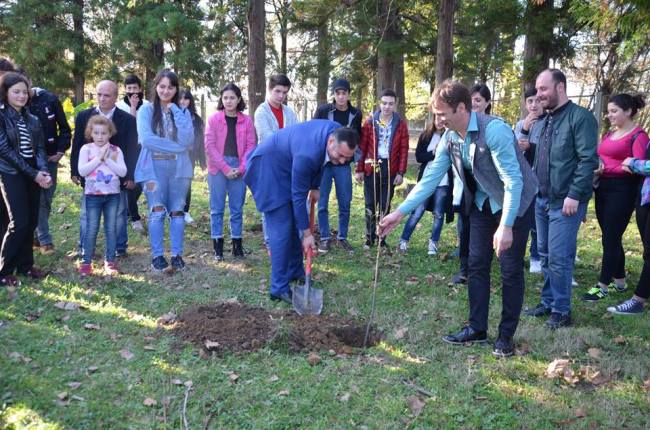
(388, 223)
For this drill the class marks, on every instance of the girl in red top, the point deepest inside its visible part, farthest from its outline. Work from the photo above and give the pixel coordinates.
(617, 190)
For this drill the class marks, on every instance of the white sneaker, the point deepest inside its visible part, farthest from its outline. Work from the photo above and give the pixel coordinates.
(433, 247)
(403, 246)
(137, 226)
(188, 218)
(535, 266)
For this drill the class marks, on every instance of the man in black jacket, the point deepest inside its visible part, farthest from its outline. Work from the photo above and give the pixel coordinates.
(126, 139)
(48, 109)
(341, 111)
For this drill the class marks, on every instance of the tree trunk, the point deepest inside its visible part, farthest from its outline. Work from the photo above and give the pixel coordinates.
(323, 62)
(539, 36)
(151, 70)
(79, 65)
(256, 53)
(445, 47)
(399, 85)
(387, 52)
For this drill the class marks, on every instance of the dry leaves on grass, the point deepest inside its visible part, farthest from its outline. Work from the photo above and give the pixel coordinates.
(148, 401)
(313, 359)
(74, 385)
(400, 333)
(67, 306)
(168, 318)
(415, 404)
(89, 326)
(594, 352)
(561, 368)
(126, 354)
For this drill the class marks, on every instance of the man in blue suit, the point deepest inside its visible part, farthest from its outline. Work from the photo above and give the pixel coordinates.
(281, 173)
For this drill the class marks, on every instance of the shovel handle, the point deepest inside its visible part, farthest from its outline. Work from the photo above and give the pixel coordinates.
(311, 216)
(309, 253)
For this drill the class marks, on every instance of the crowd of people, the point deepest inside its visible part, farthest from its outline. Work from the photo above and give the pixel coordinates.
(505, 185)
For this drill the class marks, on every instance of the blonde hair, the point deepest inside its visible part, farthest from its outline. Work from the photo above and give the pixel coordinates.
(99, 120)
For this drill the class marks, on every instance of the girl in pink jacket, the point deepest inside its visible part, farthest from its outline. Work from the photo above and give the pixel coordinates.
(229, 139)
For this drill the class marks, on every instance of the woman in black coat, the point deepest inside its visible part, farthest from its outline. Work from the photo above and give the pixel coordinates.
(23, 172)
(440, 202)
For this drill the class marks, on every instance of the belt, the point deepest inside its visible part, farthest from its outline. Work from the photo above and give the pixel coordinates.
(163, 156)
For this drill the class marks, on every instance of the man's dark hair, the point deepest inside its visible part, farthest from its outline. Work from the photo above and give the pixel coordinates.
(10, 79)
(347, 135)
(6, 65)
(387, 92)
(279, 79)
(452, 93)
(131, 80)
(558, 76)
(530, 92)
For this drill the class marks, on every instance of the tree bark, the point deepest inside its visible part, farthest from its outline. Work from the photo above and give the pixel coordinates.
(539, 37)
(323, 62)
(399, 85)
(79, 64)
(445, 47)
(256, 53)
(387, 52)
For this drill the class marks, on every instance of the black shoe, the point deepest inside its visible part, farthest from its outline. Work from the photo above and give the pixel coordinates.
(178, 263)
(466, 335)
(159, 264)
(369, 244)
(285, 297)
(345, 245)
(237, 248)
(503, 347)
(538, 311)
(459, 278)
(557, 321)
(324, 246)
(217, 244)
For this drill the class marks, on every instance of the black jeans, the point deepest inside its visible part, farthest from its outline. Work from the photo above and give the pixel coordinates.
(615, 200)
(377, 197)
(643, 222)
(188, 199)
(483, 226)
(462, 227)
(132, 202)
(21, 196)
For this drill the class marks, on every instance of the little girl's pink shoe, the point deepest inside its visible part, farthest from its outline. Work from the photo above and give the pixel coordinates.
(110, 268)
(85, 269)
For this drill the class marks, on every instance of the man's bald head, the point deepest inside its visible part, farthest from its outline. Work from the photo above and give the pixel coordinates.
(106, 95)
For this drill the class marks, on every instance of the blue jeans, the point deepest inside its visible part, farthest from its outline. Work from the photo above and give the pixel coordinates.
(343, 180)
(557, 237)
(121, 220)
(47, 195)
(220, 187)
(95, 207)
(167, 192)
(439, 202)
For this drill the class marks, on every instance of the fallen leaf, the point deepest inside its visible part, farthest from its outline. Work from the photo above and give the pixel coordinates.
(594, 352)
(283, 393)
(65, 317)
(166, 400)
(556, 367)
(646, 385)
(619, 340)
(274, 378)
(149, 402)
(60, 210)
(188, 383)
(149, 348)
(400, 333)
(126, 354)
(177, 382)
(74, 385)
(233, 377)
(580, 412)
(313, 359)
(92, 369)
(415, 404)
(167, 318)
(89, 326)
(62, 395)
(344, 398)
(67, 306)
(209, 344)
(77, 398)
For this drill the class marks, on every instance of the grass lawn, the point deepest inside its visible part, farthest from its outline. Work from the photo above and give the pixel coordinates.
(108, 365)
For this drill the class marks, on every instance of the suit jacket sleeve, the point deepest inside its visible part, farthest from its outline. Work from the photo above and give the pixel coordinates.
(65, 134)
(77, 142)
(303, 174)
(131, 145)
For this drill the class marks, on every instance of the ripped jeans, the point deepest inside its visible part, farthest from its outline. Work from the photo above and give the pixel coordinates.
(167, 192)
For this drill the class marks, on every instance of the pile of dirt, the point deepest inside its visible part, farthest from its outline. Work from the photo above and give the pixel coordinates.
(238, 327)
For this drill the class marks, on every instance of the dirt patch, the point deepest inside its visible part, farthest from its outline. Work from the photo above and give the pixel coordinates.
(238, 327)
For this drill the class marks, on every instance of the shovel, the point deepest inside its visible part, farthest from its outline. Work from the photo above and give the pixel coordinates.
(308, 300)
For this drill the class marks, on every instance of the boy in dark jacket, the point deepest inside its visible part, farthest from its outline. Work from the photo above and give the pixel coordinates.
(341, 111)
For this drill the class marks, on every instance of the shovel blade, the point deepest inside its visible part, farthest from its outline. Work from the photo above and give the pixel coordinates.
(307, 300)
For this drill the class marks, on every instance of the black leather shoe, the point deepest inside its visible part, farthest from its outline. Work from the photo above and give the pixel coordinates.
(285, 297)
(466, 335)
(538, 311)
(557, 321)
(503, 347)
(459, 278)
